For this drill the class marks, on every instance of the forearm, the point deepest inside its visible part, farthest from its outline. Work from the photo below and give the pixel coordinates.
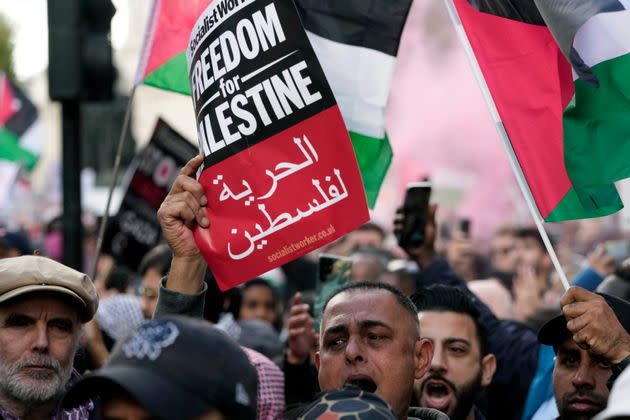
(186, 275)
(588, 278)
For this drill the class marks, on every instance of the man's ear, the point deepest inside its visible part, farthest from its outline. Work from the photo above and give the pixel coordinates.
(488, 367)
(317, 360)
(423, 357)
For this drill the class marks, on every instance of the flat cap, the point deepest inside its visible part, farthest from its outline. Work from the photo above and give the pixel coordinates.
(31, 273)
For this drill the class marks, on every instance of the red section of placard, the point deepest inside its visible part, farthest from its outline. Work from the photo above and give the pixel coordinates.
(281, 198)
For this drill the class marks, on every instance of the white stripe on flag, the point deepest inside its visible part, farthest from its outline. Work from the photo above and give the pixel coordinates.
(147, 43)
(33, 138)
(8, 174)
(604, 36)
(360, 79)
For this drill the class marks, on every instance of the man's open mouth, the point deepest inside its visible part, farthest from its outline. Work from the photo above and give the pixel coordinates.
(363, 382)
(437, 394)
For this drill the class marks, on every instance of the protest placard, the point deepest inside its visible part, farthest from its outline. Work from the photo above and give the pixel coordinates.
(135, 229)
(279, 172)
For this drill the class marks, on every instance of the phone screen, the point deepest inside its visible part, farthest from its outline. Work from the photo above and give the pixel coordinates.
(415, 210)
(464, 226)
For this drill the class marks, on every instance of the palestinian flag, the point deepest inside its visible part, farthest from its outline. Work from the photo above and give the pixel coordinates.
(558, 72)
(163, 58)
(20, 139)
(356, 42)
(356, 51)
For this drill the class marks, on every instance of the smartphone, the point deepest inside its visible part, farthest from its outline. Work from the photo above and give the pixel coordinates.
(333, 266)
(464, 226)
(415, 212)
(618, 249)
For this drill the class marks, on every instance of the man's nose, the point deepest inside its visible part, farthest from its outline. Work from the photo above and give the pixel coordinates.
(584, 377)
(260, 312)
(40, 340)
(438, 363)
(354, 350)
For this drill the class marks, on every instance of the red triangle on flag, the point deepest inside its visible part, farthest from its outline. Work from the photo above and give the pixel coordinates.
(7, 100)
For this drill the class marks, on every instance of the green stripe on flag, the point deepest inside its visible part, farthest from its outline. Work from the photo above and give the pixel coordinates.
(374, 156)
(597, 131)
(172, 75)
(607, 202)
(10, 150)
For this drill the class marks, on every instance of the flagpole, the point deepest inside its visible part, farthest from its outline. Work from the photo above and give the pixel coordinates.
(516, 167)
(121, 143)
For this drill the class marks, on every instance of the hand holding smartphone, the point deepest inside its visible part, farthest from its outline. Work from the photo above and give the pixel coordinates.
(415, 213)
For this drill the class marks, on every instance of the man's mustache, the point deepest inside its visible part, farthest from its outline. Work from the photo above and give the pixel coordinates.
(437, 376)
(44, 361)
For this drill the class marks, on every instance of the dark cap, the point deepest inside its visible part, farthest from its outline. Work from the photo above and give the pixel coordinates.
(259, 335)
(16, 240)
(176, 367)
(348, 403)
(555, 331)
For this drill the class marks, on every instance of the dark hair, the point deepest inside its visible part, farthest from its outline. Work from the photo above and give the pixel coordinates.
(261, 282)
(442, 298)
(118, 279)
(274, 295)
(402, 300)
(505, 231)
(532, 232)
(159, 258)
(373, 227)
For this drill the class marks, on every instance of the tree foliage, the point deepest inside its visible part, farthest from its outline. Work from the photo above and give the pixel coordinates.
(6, 48)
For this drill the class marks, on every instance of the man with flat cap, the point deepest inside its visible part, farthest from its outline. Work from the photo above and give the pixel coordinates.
(43, 305)
(591, 340)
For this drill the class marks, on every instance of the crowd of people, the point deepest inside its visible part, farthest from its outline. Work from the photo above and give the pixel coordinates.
(442, 330)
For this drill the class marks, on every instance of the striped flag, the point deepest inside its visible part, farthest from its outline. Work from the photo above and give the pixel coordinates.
(163, 58)
(558, 71)
(357, 52)
(20, 135)
(356, 42)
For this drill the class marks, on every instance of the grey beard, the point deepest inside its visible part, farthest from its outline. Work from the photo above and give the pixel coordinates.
(17, 384)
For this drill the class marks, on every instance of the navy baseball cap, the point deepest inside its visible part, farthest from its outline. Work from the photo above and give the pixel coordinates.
(16, 240)
(176, 367)
(555, 331)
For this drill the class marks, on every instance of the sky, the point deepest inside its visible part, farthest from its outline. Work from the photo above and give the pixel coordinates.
(30, 24)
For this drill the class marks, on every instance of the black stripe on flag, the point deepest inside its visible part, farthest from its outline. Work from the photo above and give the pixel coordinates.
(25, 116)
(373, 24)
(520, 10)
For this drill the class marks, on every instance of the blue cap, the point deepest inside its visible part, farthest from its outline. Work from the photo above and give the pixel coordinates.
(16, 240)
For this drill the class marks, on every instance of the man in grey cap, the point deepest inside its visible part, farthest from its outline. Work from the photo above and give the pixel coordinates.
(43, 305)
(591, 339)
